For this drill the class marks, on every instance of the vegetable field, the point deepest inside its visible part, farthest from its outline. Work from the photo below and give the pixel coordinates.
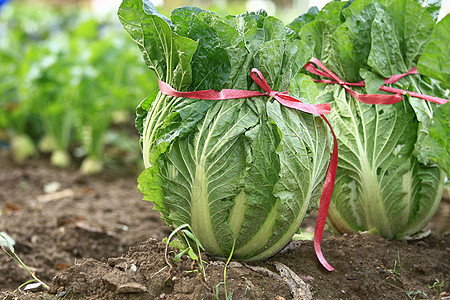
(303, 158)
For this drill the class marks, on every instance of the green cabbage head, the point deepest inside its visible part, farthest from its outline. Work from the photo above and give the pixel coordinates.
(242, 173)
(389, 180)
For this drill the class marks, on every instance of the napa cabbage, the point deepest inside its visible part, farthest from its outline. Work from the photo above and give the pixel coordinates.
(389, 178)
(242, 173)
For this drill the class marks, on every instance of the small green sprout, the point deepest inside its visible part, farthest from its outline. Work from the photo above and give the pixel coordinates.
(186, 238)
(30, 284)
(414, 294)
(437, 287)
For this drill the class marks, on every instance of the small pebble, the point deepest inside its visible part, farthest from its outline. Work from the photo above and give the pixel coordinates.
(133, 268)
(51, 187)
(131, 287)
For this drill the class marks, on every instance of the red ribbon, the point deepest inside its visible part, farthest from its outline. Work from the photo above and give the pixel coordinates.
(369, 98)
(325, 200)
(226, 94)
(288, 101)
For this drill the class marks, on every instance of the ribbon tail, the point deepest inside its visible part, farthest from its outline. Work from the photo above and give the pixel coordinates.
(379, 98)
(315, 109)
(374, 98)
(325, 201)
(395, 78)
(224, 94)
(413, 94)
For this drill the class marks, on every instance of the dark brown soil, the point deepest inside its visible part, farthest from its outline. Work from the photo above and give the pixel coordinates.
(94, 238)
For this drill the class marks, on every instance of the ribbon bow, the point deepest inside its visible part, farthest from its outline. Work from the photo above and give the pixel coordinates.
(369, 98)
(286, 100)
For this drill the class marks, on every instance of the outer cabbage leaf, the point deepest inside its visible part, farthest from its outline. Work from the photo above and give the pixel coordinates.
(167, 53)
(436, 145)
(301, 20)
(413, 28)
(317, 35)
(380, 186)
(435, 61)
(351, 40)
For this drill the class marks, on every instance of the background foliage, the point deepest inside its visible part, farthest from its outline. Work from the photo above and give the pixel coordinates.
(70, 81)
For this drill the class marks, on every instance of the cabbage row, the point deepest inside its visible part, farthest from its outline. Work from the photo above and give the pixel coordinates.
(243, 173)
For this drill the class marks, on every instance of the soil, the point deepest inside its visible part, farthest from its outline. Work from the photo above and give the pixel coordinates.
(95, 238)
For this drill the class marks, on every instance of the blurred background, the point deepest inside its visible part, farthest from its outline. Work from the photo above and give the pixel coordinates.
(71, 78)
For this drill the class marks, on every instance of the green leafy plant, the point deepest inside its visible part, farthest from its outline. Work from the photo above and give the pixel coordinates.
(11, 253)
(45, 74)
(65, 81)
(189, 245)
(16, 114)
(22, 58)
(224, 282)
(243, 173)
(437, 287)
(106, 68)
(385, 184)
(398, 269)
(415, 294)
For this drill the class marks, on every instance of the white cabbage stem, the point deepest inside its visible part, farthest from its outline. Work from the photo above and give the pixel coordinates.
(22, 147)
(60, 159)
(47, 144)
(91, 165)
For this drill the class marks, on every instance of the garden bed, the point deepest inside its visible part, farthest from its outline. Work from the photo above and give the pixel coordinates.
(94, 238)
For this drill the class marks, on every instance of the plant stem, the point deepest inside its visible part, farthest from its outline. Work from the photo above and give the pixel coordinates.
(20, 262)
(225, 270)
